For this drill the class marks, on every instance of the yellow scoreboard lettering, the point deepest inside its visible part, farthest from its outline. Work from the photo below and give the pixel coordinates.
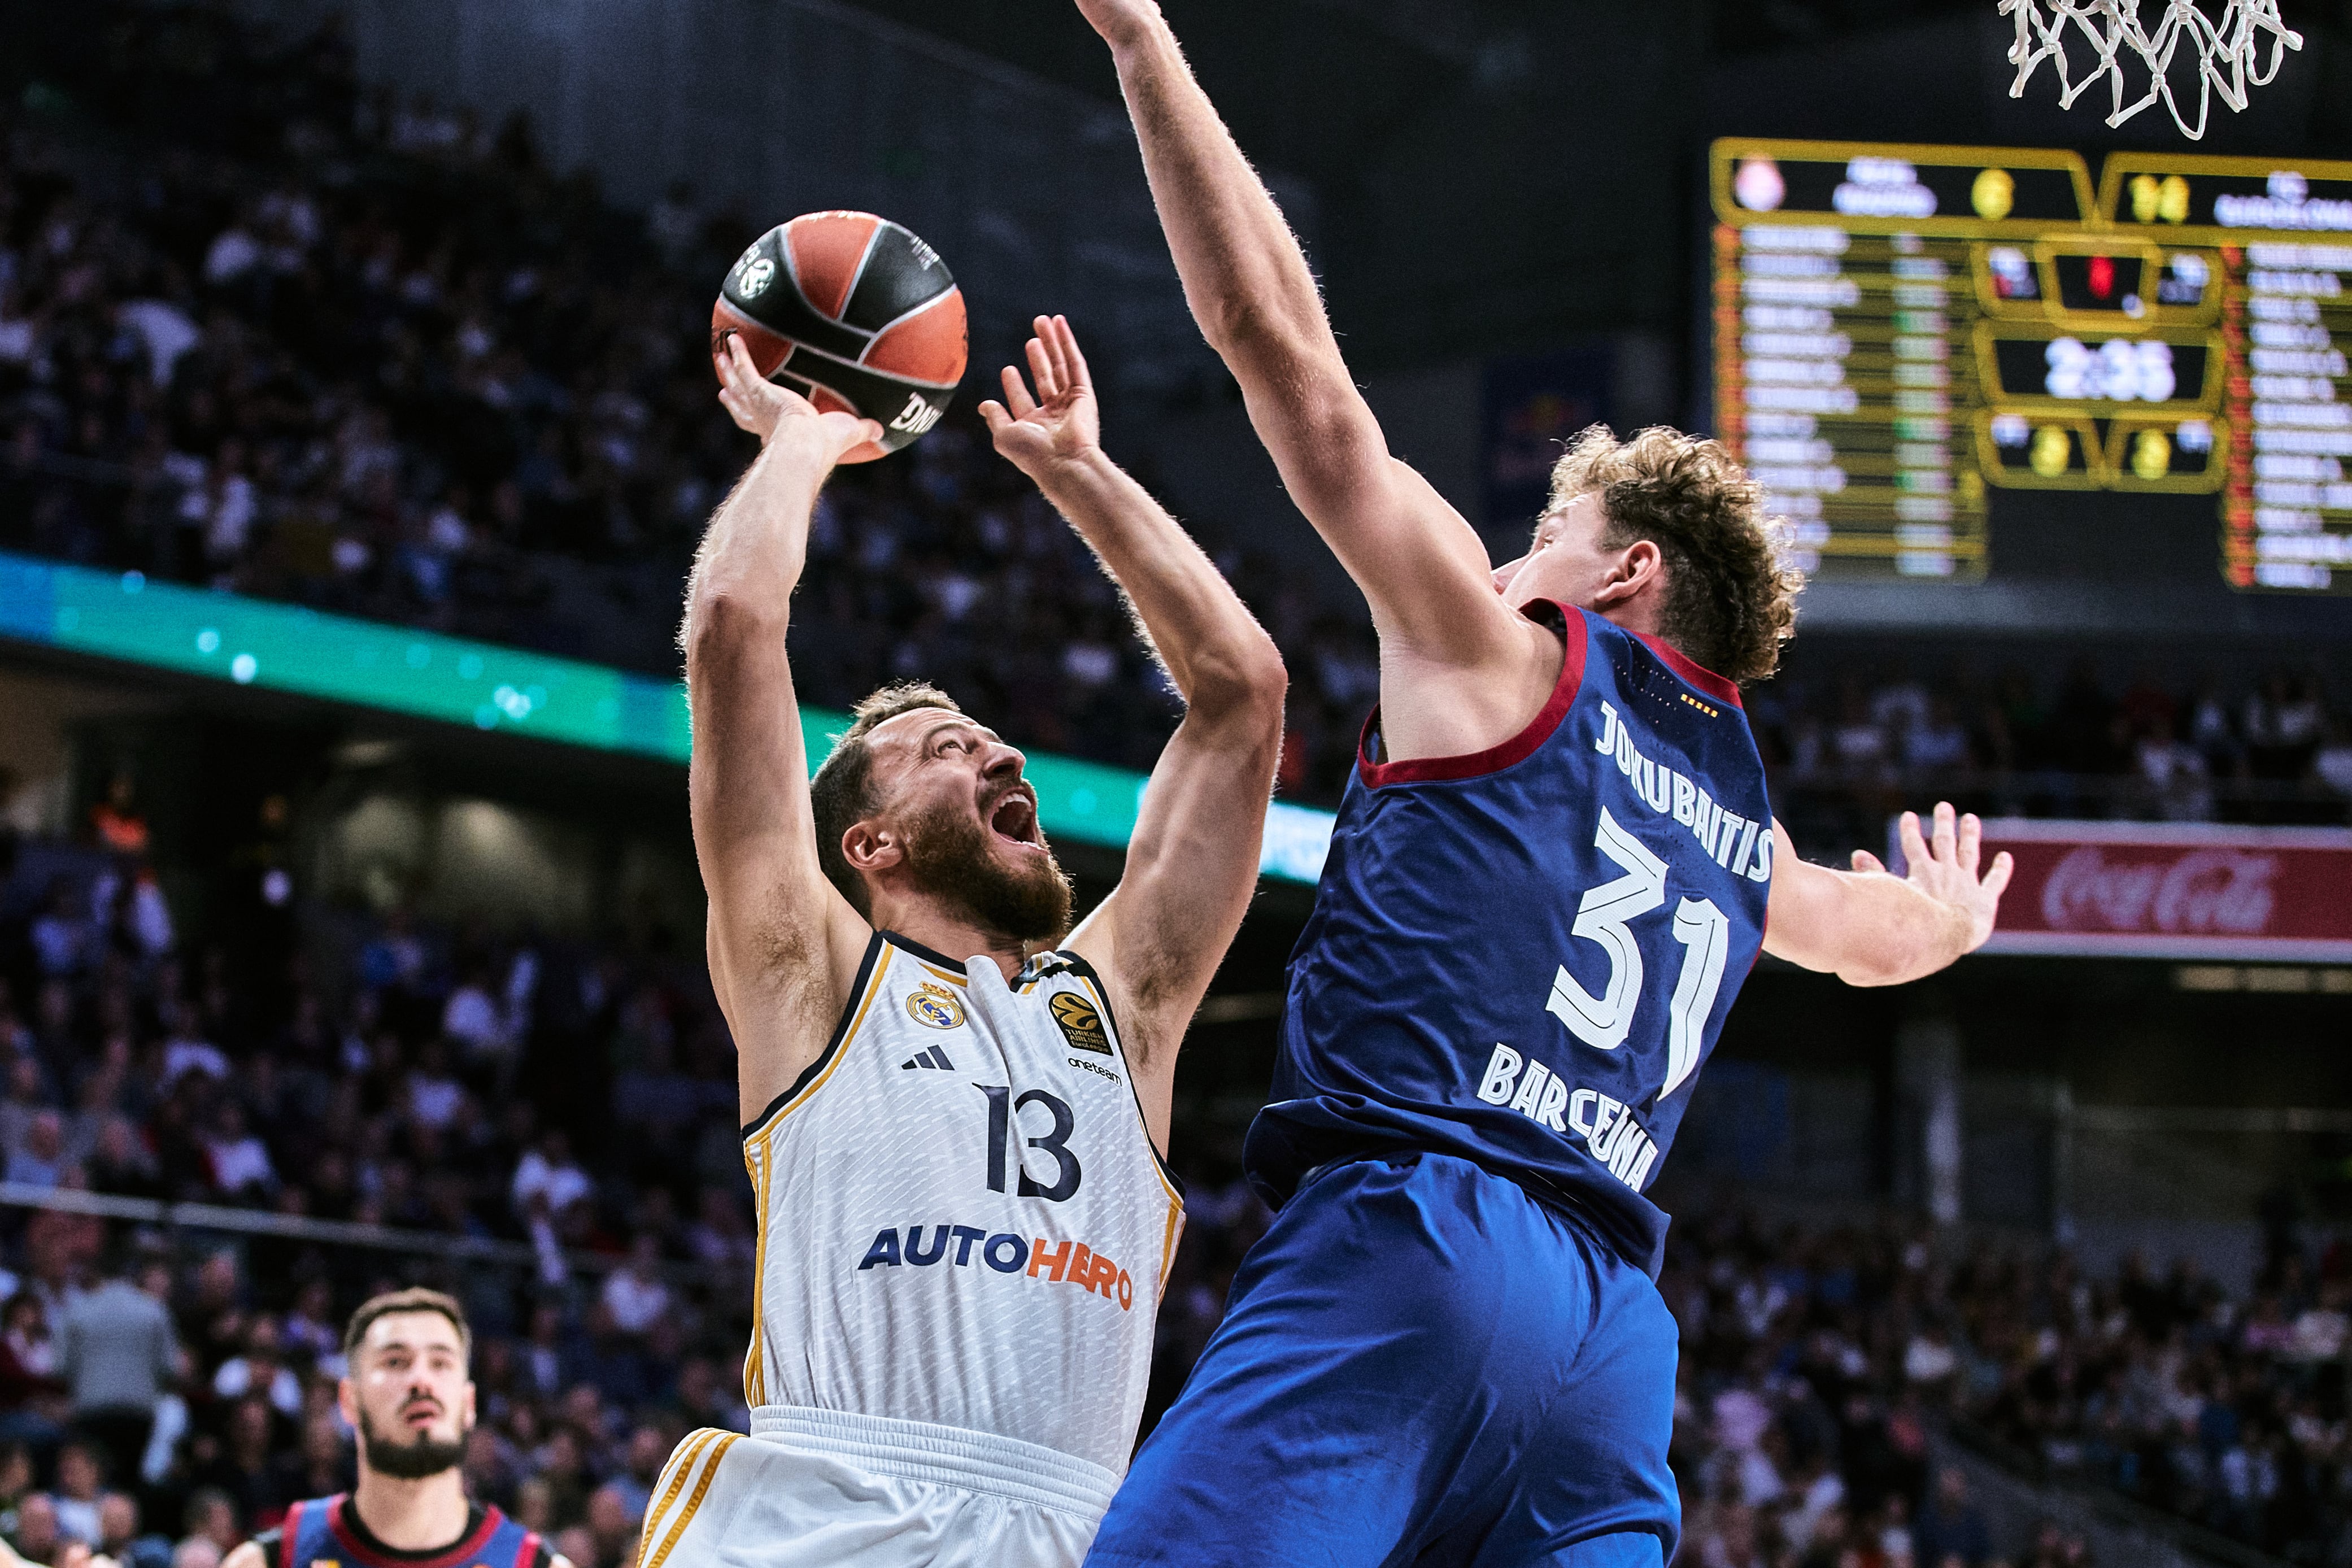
(1900, 327)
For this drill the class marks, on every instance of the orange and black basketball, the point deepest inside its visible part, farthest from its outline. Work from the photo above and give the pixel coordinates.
(853, 313)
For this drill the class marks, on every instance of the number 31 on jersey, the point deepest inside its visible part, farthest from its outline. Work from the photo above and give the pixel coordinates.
(1604, 916)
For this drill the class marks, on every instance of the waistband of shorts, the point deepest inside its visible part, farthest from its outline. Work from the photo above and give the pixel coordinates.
(1574, 1210)
(947, 1456)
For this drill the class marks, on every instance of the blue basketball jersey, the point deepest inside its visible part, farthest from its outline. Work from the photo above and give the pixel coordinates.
(326, 1532)
(1522, 957)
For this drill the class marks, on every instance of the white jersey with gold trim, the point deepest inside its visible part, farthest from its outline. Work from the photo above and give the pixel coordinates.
(962, 1222)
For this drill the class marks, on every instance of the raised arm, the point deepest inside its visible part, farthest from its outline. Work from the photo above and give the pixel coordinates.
(1421, 567)
(1192, 864)
(784, 945)
(1869, 927)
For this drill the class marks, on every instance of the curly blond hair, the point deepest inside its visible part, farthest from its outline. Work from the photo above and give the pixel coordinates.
(1730, 594)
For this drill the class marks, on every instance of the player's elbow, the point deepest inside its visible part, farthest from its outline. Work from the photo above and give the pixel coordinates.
(1870, 972)
(723, 621)
(1245, 682)
(1256, 331)
(1234, 318)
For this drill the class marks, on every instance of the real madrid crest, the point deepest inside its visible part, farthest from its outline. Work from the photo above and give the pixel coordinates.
(935, 1005)
(1081, 1025)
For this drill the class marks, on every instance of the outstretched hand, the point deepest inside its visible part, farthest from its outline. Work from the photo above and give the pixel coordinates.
(767, 410)
(1944, 867)
(1061, 423)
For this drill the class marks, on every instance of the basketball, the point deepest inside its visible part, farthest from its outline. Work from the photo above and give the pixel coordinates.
(853, 312)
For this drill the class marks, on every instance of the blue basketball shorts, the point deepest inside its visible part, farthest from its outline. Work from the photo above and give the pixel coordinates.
(1419, 1364)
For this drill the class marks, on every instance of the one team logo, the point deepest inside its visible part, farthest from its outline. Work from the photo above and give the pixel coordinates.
(753, 280)
(936, 1006)
(1081, 1025)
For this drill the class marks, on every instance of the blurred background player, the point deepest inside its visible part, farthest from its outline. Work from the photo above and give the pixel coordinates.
(409, 1395)
(955, 1127)
(1550, 874)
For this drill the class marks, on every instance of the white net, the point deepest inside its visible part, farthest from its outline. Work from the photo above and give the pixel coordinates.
(2229, 51)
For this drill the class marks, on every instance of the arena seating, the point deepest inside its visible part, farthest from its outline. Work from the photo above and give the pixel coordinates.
(290, 340)
(263, 330)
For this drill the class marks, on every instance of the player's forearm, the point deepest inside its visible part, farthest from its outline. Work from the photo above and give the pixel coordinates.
(1244, 275)
(754, 552)
(748, 774)
(1219, 656)
(1895, 933)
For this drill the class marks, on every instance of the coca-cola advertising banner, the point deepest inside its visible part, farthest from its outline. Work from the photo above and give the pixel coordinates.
(2162, 890)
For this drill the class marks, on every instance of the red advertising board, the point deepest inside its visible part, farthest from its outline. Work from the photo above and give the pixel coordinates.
(2162, 890)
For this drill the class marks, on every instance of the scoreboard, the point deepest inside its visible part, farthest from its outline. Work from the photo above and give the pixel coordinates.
(1901, 330)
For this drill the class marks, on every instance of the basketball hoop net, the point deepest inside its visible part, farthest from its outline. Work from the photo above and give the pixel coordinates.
(2228, 51)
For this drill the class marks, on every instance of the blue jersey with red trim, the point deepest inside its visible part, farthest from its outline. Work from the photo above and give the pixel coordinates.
(326, 1532)
(1522, 957)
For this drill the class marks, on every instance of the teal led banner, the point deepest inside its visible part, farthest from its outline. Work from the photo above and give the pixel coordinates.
(285, 648)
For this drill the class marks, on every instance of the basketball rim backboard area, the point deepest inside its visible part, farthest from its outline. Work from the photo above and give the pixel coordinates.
(2237, 49)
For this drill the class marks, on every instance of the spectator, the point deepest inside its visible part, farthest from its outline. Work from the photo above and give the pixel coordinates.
(2177, 775)
(30, 1406)
(37, 1539)
(613, 1531)
(78, 1497)
(549, 1173)
(633, 1293)
(119, 1535)
(212, 1515)
(244, 1469)
(185, 1050)
(119, 1355)
(258, 1369)
(1951, 1525)
(237, 1160)
(39, 1161)
(474, 1019)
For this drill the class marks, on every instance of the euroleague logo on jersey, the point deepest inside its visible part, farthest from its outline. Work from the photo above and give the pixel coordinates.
(935, 1005)
(1080, 1023)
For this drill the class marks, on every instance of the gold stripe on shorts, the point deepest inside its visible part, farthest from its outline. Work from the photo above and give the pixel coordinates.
(680, 1466)
(717, 1452)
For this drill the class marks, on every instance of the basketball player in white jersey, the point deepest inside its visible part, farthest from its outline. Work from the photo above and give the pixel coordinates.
(954, 1126)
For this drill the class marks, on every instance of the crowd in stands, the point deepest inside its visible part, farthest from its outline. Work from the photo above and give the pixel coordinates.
(162, 1394)
(1816, 1363)
(266, 329)
(262, 329)
(1847, 747)
(165, 1393)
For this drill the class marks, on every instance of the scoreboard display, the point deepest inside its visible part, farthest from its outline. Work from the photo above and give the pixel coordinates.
(1901, 330)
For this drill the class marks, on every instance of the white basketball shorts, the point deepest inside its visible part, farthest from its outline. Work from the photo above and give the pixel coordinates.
(824, 1487)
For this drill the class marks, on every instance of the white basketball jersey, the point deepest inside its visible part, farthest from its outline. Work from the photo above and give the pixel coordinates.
(961, 1218)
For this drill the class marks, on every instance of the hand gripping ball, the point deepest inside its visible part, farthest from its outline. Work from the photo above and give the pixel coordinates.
(853, 313)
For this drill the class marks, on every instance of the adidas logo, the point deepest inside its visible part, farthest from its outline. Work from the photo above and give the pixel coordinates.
(934, 1058)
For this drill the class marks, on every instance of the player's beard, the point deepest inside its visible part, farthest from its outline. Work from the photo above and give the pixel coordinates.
(413, 1460)
(952, 857)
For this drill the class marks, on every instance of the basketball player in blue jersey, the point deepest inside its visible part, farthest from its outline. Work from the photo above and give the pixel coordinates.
(408, 1397)
(1552, 869)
